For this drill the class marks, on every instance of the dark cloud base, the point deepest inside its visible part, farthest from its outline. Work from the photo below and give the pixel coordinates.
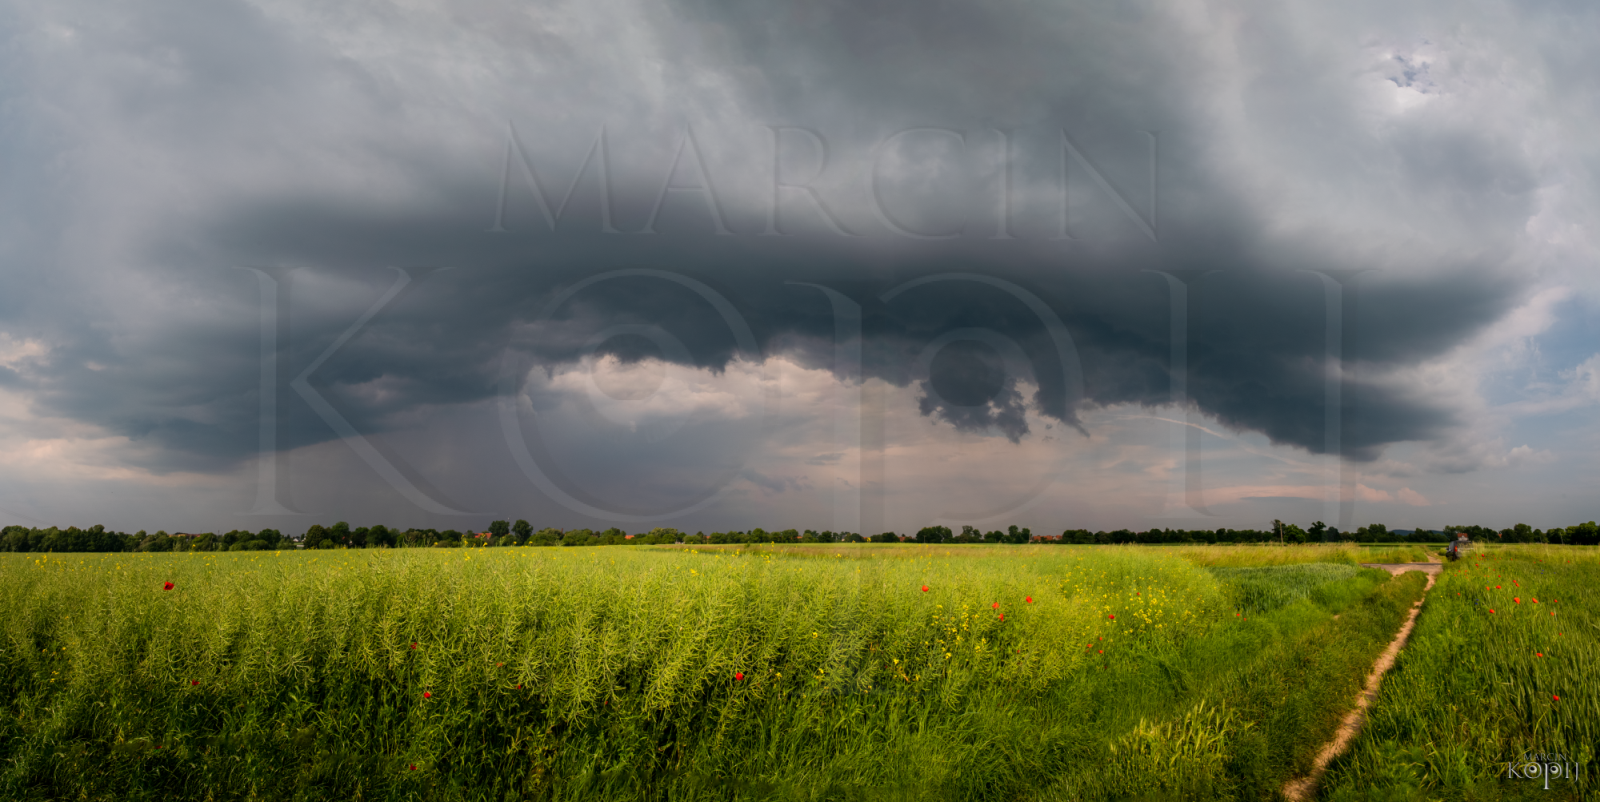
(1256, 333)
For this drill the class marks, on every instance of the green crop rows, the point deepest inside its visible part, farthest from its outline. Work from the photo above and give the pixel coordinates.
(658, 673)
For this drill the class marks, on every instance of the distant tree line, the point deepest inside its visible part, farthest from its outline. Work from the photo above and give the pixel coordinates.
(98, 538)
(521, 533)
(1584, 534)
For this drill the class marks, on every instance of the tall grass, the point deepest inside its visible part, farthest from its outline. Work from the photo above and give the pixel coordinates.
(1258, 590)
(1400, 554)
(1476, 689)
(1259, 554)
(655, 673)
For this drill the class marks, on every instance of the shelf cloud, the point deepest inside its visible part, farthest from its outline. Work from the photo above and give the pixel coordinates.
(346, 222)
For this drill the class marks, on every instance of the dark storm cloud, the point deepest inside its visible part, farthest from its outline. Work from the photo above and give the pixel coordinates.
(1256, 336)
(1435, 205)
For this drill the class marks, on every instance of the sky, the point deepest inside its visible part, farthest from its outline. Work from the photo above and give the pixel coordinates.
(860, 266)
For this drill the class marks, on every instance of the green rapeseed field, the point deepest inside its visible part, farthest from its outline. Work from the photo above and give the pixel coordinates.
(865, 672)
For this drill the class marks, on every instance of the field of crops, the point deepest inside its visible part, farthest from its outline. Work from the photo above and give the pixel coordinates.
(862, 672)
(1504, 663)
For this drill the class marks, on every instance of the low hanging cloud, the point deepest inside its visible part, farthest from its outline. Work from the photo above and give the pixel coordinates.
(996, 206)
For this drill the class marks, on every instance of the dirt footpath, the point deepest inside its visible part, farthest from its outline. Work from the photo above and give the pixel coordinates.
(1305, 788)
(1431, 568)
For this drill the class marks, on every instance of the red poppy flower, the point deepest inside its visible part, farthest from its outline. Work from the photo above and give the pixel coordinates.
(1029, 600)
(519, 687)
(1112, 616)
(193, 682)
(1538, 654)
(738, 676)
(1517, 599)
(427, 694)
(1557, 698)
(996, 605)
(924, 588)
(413, 644)
(167, 586)
(1002, 616)
(413, 767)
(1101, 651)
(1496, 587)
(1535, 601)
(1491, 611)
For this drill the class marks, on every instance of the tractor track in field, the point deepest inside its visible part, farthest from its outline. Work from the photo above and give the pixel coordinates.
(1304, 788)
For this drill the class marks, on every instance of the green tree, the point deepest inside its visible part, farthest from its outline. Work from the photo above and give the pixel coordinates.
(934, 534)
(523, 530)
(156, 542)
(1584, 534)
(1082, 536)
(499, 528)
(660, 536)
(380, 536)
(14, 538)
(315, 536)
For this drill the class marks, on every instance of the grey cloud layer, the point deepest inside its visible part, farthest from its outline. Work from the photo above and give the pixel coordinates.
(339, 145)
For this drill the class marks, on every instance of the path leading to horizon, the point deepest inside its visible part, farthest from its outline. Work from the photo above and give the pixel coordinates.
(1305, 788)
